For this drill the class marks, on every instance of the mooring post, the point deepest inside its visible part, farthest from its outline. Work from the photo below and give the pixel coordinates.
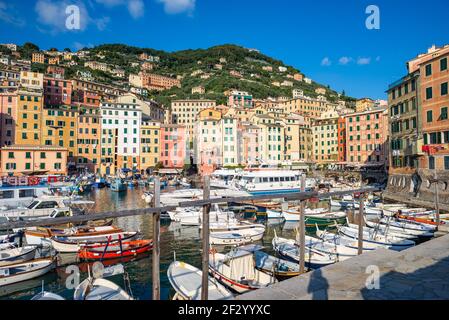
(156, 240)
(205, 238)
(361, 220)
(302, 228)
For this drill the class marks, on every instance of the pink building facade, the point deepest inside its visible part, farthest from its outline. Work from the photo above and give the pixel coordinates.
(367, 137)
(173, 146)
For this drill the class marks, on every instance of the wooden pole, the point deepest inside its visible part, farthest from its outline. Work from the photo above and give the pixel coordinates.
(361, 219)
(302, 229)
(156, 240)
(205, 238)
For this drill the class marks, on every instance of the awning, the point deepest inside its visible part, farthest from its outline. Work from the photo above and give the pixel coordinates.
(170, 171)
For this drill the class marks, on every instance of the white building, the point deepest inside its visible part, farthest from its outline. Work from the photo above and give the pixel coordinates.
(282, 69)
(308, 80)
(297, 93)
(120, 128)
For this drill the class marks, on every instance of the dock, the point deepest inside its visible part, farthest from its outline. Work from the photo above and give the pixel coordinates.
(417, 273)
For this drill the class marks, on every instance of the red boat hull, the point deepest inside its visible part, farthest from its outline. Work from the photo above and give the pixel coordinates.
(131, 249)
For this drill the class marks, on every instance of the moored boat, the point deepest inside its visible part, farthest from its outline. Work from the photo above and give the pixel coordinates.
(17, 255)
(237, 271)
(19, 272)
(187, 282)
(99, 289)
(115, 250)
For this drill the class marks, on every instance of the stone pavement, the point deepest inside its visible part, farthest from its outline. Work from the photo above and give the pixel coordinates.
(421, 272)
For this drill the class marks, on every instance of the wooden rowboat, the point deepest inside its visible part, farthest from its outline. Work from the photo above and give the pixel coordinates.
(115, 250)
(17, 255)
(25, 271)
(186, 280)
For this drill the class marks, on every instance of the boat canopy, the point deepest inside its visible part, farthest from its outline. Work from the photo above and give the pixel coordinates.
(241, 264)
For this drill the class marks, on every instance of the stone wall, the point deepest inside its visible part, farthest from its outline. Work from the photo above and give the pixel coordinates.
(418, 188)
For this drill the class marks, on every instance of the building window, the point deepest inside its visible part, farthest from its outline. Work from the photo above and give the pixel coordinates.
(429, 93)
(431, 162)
(429, 116)
(443, 64)
(428, 70)
(444, 89)
(443, 115)
(446, 163)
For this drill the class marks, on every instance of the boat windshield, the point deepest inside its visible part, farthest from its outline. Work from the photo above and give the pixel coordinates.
(33, 204)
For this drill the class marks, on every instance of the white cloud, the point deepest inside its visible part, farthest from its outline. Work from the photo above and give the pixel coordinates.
(326, 62)
(345, 60)
(178, 6)
(136, 8)
(9, 15)
(363, 61)
(51, 16)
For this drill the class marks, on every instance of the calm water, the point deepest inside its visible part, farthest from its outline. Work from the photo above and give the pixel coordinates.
(185, 241)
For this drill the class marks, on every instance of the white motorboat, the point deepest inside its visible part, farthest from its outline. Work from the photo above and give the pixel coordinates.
(187, 282)
(41, 207)
(25, 270)
(17, 255)
(237, 271)
(193, 216)
(236, 237)
(182, 195)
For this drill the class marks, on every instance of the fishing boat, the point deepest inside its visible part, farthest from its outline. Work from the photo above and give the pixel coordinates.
(40, 236)
(115, 250)
(236, 237)
(23, 271)
(237, 271)
(99, 289)
(271, 265)
(341, 240)
(186, 280)
(372, 235)
(408, 229)
(193, 216)
(289, 248)
(318, 216)
(66, 244)
(118, 185)
(17, 255)
(45, 295)
(7, 241)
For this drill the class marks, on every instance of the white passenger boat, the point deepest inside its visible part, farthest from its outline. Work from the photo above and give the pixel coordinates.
(187, 282)
(17, 255)
(371, 235)
(25, 270)
(272, 182)
(237, 271)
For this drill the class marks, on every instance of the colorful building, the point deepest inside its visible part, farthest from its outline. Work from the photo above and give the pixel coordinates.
(325, 137)
(20, 160)
(88, 156)
(174, 140)
(149, 145)
(341, 139)
(57, 92)
(208, 141)
(367, 137)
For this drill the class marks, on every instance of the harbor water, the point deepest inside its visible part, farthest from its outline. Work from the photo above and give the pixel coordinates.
(184, 241)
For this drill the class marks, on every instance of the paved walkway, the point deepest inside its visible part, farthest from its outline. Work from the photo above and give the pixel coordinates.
(421, 272)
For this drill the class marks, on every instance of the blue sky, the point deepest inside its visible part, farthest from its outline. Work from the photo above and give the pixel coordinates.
(327, 40)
